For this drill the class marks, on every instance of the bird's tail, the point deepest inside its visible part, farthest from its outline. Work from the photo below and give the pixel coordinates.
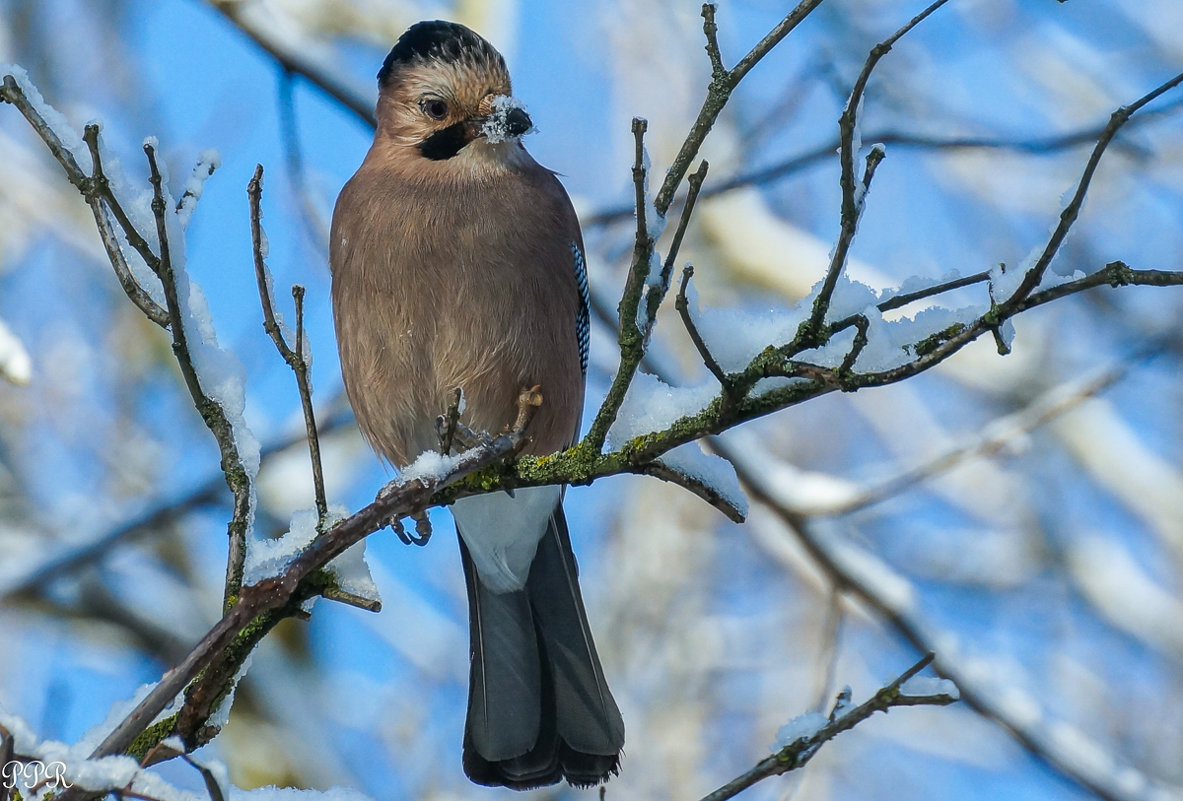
(539, 709)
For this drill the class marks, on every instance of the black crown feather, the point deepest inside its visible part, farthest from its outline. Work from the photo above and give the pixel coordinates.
(438, 39)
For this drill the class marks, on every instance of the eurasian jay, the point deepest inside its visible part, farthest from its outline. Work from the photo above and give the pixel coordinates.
(457, 261)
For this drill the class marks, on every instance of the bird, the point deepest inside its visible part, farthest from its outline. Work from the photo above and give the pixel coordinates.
(457, 261)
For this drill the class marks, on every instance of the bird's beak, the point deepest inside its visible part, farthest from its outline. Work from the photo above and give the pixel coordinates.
(506, 119)
(517, 122)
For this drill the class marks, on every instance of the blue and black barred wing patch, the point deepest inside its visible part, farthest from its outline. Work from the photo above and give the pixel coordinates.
(582, 318)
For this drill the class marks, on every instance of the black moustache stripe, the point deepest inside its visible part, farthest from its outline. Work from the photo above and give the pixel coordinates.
(445, 143)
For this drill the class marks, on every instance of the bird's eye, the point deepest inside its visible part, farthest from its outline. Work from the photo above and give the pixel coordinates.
(434, 108)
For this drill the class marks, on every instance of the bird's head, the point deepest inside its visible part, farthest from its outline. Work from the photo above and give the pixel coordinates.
(444, 92)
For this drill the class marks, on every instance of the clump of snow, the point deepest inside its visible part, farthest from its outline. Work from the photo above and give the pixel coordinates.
(350, 568)
(207, 162)
(886, 347)
(496, 127)
(221, 715)
(930, 685)
(800, 727)
(15, 364)
(832, 353)
(850, 297)
(653, 405)
(106, 773)
(53, 118)
(735, 336)
(1052, 279)
(266, 558)
(1004, 280)
(430, 466)
(844, 703)
(654, 220)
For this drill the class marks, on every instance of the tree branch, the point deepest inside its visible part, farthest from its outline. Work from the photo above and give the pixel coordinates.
(216, 652)
(319, 76)
(801, 750)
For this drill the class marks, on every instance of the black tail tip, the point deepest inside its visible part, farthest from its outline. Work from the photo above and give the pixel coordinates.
(524, 773)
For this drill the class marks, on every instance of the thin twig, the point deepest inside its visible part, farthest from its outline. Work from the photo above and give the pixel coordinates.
(798, 753)
(696, 486)
(849, 573)
(812, 332)
(682, 304)
(339, 595)
(993, 437)
(97, 193)
(237, 477)
(134, 236)
(1036, 146)
(1068, 216)
(295, 357)
(654, 298)
(630, 337)
(304, 385)
(723, 83)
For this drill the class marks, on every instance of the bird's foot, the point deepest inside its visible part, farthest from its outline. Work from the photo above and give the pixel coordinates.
(422, 529)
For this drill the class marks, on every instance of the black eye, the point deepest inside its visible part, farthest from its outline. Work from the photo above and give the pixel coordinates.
(434, 108)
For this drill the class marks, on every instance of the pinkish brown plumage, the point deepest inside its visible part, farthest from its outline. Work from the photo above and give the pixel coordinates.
(458, 262)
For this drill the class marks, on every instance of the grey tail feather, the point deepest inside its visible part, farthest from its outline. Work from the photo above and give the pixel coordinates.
(539, 709)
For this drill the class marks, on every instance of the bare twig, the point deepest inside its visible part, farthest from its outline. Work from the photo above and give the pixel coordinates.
(238, 479)
(655, 295)
(1068, 216)
(992, 438)
(659, 469)
(682, 305)
(1035, 145)
(296, 357)
(97, 193)
(723, 83)
(812, 332)
(339, 595)
(630, 336)
(798, 753)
